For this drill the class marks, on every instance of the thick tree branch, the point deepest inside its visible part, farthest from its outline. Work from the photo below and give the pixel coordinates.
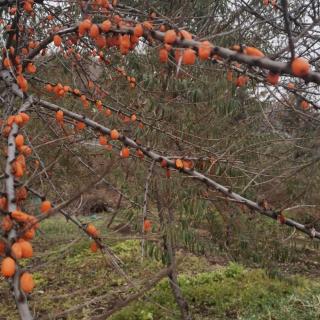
(193, 173)
(20, 298)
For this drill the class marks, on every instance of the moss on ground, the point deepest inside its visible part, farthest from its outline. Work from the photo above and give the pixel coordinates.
(232, 293)
(69, 276)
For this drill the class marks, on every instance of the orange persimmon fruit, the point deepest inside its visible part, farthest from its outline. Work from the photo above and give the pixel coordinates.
(45, 206)
(57, 40)
(170, 36)
(300, 67)
(26, 282)
(114, 134)
(8, 267)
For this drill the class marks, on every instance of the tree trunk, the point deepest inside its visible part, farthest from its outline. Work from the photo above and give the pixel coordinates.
(20, 299)
(167, 224)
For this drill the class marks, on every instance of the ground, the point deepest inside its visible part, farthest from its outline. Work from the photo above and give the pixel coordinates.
(74, 283)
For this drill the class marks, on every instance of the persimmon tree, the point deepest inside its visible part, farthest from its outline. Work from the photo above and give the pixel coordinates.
(175, 95)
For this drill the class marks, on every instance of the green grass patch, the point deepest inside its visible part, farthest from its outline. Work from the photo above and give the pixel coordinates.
(68, 274)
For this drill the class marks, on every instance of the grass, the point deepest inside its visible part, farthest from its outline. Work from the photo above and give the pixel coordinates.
(233, 293)
(69, 276)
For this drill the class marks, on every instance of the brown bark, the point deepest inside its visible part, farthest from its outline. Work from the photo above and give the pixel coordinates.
(167, 223)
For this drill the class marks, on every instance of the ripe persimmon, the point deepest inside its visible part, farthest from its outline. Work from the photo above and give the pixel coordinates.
(16, 250)
(300, 67)
(147, 25)
(133, 40)
(7, 63)
(125, 152)
(29, 234)
(80, 125)
(2, 247)
(22, 82)
(49, 87)
(10, 120)
(85, 104)
(204, 50)
(66, 88)
(103, 140)
(164, 163)
(26, 247)
(106, 25)
(100, 41)
(57, 40)
(45, 206)
(21, 194)
(170, 36)
(139, 153)
(273, 78)
(108, 112)
(189, 56)
(18, 120)
(3, 203)
(114, 134)
(163, 55)
(8, 267)
(253, 52)
(304, 105)
(94, 31)
(17, 169)
(19, 140)
(19, 216)
(6, 130)
(31, 68)
(147, 225)
(138, 30)
(26, 282)
(25, 150)
(179, 164)
(185, 35)
(59, 116)
(94, 246)
(24, 116)
(241, 81)
(187, 164)
(92, 230)
(229, 75)
(6, 224)
(22, 160)
(83, 27)
(27, 6)
(124, 44)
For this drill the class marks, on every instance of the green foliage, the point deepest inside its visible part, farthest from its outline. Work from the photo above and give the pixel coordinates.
(233, 293)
